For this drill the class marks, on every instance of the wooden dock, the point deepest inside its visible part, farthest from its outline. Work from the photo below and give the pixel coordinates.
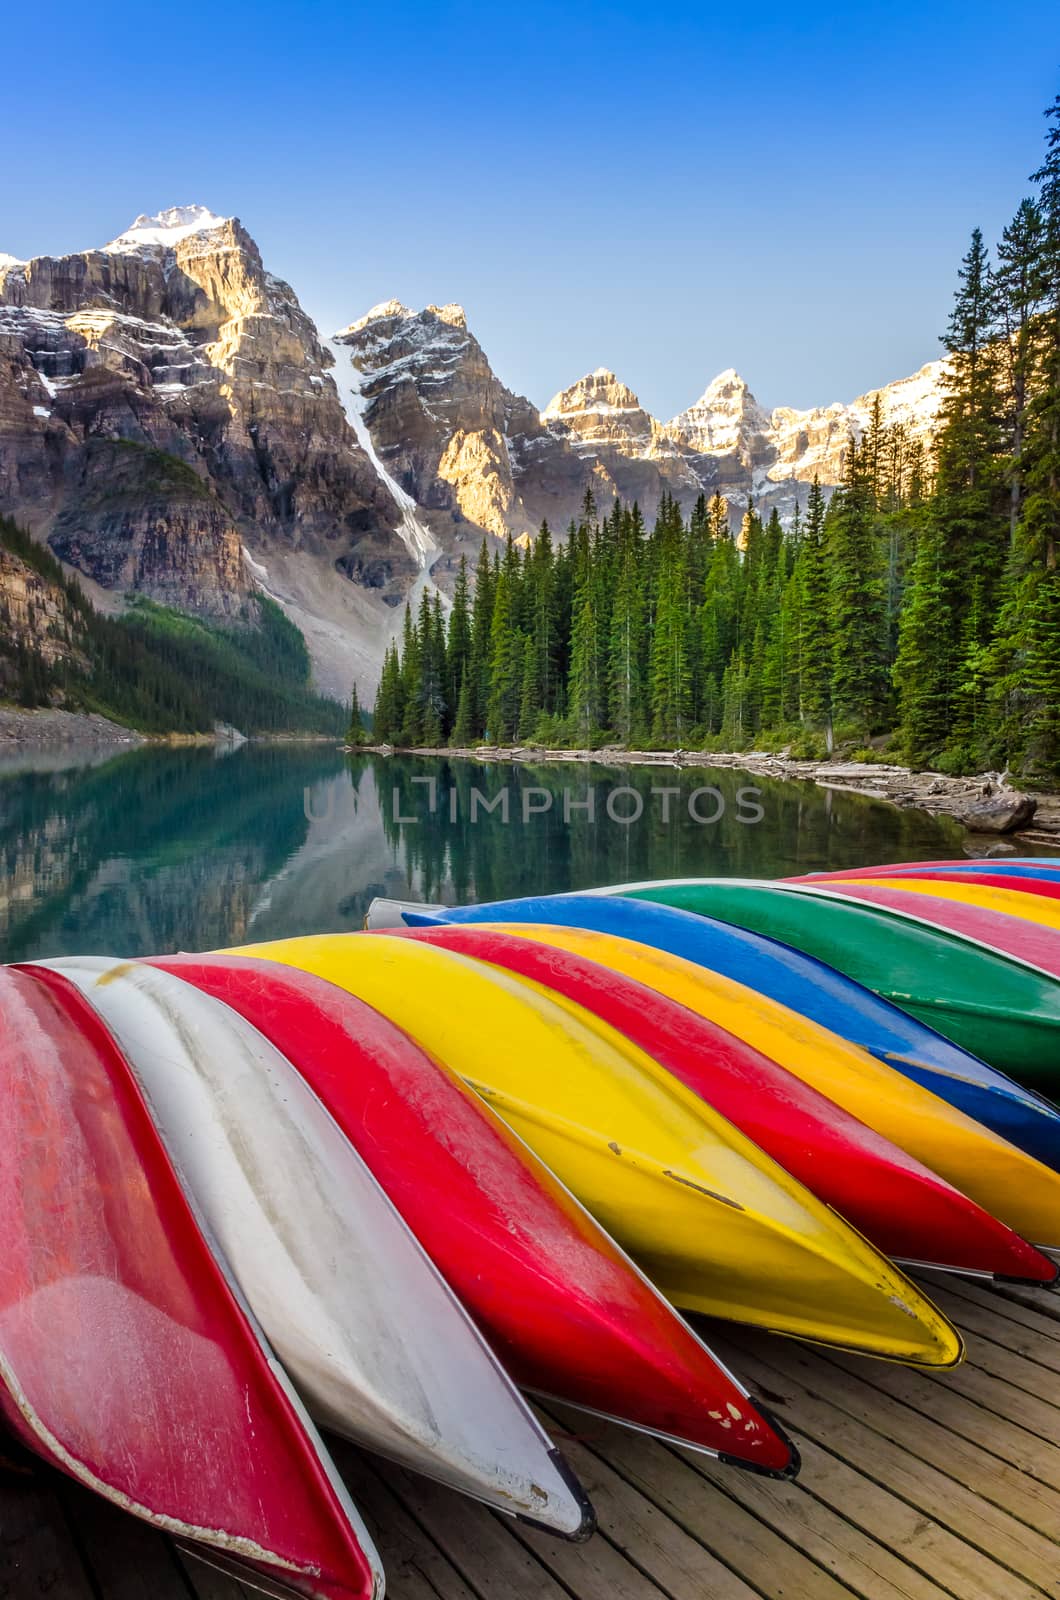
(912, 1488)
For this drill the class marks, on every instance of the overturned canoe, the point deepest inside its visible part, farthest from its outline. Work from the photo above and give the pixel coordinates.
(817, 992)
(564, 1308)
(712, 1220)
(368, 1329)
(965, 890)
(1045, 868)
(987, 1003)
(903, 1208)
(126, 1357)
(1045, 887)
(994, 930)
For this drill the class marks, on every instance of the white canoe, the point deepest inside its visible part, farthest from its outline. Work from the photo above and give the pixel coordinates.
(380, 1348)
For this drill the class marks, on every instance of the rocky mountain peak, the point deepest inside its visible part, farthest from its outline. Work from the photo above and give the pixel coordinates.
(598, 391)
(453, 314)
(725, 418)
(385, 311)
(166, 229)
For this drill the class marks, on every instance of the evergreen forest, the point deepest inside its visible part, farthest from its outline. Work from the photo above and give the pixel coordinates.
(917, 608)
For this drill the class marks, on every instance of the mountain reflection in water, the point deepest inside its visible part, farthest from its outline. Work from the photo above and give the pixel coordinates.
(163, 849)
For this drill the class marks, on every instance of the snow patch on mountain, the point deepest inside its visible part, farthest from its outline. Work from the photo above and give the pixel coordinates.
(417, 537)
(725, 418)
(165, 229)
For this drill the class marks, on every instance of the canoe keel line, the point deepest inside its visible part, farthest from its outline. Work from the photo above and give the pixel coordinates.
(399, 1180)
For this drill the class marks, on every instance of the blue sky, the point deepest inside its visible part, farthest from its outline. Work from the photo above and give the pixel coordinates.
(665, 190)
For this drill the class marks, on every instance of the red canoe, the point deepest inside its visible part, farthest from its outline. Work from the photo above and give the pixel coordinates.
(1031, 942)
(126, 1359)
(564, 1308)
(904, 1209)
(1047, 888)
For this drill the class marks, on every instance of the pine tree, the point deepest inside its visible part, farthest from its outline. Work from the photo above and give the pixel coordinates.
(923, 671)
(670, 674)
(411, 683)
(584, 697)
(815, 630)
(529, 700)
(458, 642)
(505, 665)
(626, 649)
(1020, 284)
(464, 730)
(1026, 652)
(389, 714)
(481, 622)
(856, 612)
(355, 731)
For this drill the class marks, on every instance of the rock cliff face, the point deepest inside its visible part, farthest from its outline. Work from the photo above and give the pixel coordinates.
(470, 451)
(477, 457)
(33, 616)
(165, 401)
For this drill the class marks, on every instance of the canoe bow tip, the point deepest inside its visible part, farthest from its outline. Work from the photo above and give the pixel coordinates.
(791, 1468)
(587, 1526)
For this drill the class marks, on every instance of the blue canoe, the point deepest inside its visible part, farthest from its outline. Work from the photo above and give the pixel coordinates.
(795, 980)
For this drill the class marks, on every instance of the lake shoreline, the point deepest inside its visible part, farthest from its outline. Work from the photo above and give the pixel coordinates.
(50, 729)
(959, 798)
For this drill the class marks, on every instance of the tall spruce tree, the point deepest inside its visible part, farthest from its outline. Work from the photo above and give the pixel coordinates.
(856, 621)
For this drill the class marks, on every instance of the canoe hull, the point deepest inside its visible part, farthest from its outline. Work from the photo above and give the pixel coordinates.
(986, 1003)
(718, 1226)
(902, 1207)
(127, 1359)
(568, 1313)
(991, 930)
(799, 982)
(365, 1324)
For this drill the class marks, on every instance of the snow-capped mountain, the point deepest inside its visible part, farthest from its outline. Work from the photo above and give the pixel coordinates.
(169, 421)
(173, 424)
(471, 451)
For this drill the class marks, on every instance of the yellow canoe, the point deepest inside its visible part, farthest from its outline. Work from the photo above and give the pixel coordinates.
(719, 1226)
(1004, 1180)
(1029, 907)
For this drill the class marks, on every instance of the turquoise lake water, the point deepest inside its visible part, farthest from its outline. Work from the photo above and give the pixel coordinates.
(159, 850)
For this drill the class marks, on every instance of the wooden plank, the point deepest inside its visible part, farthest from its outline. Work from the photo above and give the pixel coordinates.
(128, 1559)
(638, 1529)
(1001, 1331)
(987, 1355)
(594, 1571)
(973, 1544)
(1047, 1301)
(1003, 1399)
(918, 1430)
(415, 1567)
(817, 1524)
(963, 1294)
(38, 1554)
(1032, 1457)
(771, 1564)
(480, 1545)
(815, 1530)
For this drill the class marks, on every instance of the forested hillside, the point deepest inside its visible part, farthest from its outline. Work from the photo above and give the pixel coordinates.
(154, 669)
(923, 603)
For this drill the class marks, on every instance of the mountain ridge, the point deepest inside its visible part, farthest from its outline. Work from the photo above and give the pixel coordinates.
(174, 425)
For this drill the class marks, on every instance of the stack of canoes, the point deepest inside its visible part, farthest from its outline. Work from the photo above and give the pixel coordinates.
(393, 1182)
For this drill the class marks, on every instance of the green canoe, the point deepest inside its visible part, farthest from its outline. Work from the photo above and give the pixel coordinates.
(996, 1008)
